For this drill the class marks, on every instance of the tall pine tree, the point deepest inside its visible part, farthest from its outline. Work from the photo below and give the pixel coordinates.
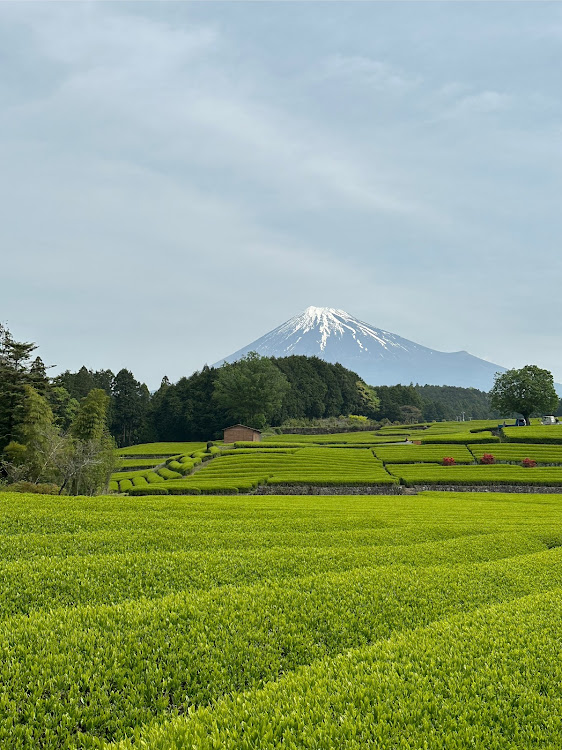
(14, 376)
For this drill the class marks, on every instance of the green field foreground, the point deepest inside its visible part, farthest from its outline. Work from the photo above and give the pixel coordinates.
(261, 622)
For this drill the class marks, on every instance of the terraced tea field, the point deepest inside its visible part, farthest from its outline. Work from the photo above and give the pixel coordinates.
(397, 454)
(278, 465)
(264, 622)
(160, 449)
(413, 475)
(516, 452)
(549, 434)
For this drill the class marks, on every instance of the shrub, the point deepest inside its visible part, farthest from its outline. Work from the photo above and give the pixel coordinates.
(176, 489)
(182, 467)
(148, 490)
(488, 458)
(166, 473)
(528, 463)
(448, 461)
(459, 437)
(125, 485)
(186, 467)
(153, 478)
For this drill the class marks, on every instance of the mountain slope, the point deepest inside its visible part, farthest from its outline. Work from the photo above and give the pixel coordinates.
(378, 356)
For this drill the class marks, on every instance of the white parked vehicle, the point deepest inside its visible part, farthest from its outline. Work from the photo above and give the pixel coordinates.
(549, 420)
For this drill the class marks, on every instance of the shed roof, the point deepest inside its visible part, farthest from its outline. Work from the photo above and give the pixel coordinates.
(253, 429)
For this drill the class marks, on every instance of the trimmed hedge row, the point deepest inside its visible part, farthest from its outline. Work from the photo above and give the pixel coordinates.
(480, 680)
(153, 489)
(323, 480)
(465, 438)
(543, 434)
(166, 473)
(423, 454)
(111, 669)
(511, 452)
(432, 474)
(159, 449)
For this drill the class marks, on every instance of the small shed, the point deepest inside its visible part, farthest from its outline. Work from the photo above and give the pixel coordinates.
(241, 432)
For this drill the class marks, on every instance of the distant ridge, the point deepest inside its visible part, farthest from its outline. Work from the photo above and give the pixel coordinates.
(378, 356)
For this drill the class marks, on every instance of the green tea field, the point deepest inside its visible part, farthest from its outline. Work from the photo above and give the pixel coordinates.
(430, 620)
(452, 455)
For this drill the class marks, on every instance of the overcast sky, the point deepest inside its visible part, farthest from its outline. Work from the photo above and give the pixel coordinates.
(179, 178)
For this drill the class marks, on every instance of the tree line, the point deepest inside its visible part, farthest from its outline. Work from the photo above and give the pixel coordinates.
(198, 407)
(63, 428)
(48, 439)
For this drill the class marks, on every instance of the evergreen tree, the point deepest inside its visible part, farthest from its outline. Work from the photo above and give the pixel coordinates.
(90, 422)
(78, 384)
(202, 415)
(306, 397)
(392, 397)
(63, 405)
(14, 376)
(104, 379)
(129, 408)
(168, 413)
(38, 376)
(449, 402)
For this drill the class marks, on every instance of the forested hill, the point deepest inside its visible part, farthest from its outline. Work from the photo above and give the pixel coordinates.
(450, 402)
(415, 403)
(310, 389)
(188, 409)
(191, 410)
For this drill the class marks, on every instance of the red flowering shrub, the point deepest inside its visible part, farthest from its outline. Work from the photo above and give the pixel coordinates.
(488, 458)
(528, 463)
(448, 461)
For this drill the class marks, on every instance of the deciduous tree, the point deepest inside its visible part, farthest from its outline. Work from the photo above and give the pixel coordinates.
(92, 459)
(251, 390)
(528, 391)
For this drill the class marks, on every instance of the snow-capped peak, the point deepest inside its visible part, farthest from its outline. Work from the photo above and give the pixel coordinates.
(330, 321)
(378, 356)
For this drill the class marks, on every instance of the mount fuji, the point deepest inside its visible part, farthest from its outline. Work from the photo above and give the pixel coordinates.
(377, 356)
